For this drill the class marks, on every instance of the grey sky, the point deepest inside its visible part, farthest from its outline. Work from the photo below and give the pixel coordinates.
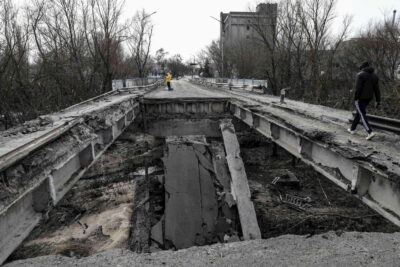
(185, 27)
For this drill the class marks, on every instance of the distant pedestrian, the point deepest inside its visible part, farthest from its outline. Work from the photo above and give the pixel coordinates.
(168, 79)
(367, 85)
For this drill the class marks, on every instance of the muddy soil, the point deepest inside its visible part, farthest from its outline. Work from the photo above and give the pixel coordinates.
(331, 208)
(86, 221)
(96, 214)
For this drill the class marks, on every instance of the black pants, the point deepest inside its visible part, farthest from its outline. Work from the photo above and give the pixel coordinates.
(169, 85)
(361, 107)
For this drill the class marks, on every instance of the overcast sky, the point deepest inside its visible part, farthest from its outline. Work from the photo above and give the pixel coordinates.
(185, 27)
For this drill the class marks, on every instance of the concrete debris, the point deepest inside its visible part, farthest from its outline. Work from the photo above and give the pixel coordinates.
(295, 202)
(229, 200)
(287, 178)
(140, 229)
(196, 210)
(240, 186)
(142, 170)
(230, 239)
(32, 169)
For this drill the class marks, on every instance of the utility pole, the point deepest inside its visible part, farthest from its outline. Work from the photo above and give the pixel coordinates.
(193, 64)
(394, 17)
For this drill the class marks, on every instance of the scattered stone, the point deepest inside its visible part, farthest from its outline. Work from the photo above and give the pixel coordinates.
(226, 238)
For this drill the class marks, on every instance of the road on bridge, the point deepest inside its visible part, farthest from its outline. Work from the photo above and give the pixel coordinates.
(183, 89)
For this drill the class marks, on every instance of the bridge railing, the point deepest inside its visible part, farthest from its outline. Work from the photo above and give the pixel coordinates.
(242, 84)
(134, 82)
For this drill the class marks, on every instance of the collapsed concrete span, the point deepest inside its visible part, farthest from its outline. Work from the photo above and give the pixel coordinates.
(57, 150)
(317, 135)
(43, 159)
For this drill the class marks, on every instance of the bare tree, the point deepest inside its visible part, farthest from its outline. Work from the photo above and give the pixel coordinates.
(54, 53)
(160, 58)
(316, 18)
(14, 69)
(379, 44)
(298, 47)
(139, 41)
(215, 55)
(176, 66)
(104, 33)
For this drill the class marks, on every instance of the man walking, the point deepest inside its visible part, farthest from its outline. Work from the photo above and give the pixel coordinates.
(367, 85)
(168, 79)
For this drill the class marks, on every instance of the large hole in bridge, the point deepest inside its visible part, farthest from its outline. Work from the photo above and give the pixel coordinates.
(148, 194)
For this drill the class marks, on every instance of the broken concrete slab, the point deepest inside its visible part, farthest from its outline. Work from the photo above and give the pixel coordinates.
(240, 186)
(209, 205)
(191, 207)
(183, 220)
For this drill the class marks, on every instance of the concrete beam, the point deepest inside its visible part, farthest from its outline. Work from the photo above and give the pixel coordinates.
(187, 106)
(240, 187)
(171, 127)
(376, 190)
(16, 223)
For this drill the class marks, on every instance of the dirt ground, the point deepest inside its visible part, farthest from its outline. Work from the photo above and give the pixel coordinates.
(331, 208)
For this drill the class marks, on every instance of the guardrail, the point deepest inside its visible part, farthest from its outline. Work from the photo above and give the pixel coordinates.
(243, 84)
(17, 154)
(134, 82)
(384, 123)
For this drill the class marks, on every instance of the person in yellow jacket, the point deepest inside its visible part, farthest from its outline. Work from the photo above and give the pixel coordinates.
(168, 79)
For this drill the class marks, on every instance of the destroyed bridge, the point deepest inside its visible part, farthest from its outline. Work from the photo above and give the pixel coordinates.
(42, 160)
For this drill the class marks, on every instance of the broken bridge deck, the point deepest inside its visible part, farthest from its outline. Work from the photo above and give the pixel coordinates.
(318, 136)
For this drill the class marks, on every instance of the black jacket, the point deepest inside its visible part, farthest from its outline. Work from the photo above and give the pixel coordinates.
(367, 85)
